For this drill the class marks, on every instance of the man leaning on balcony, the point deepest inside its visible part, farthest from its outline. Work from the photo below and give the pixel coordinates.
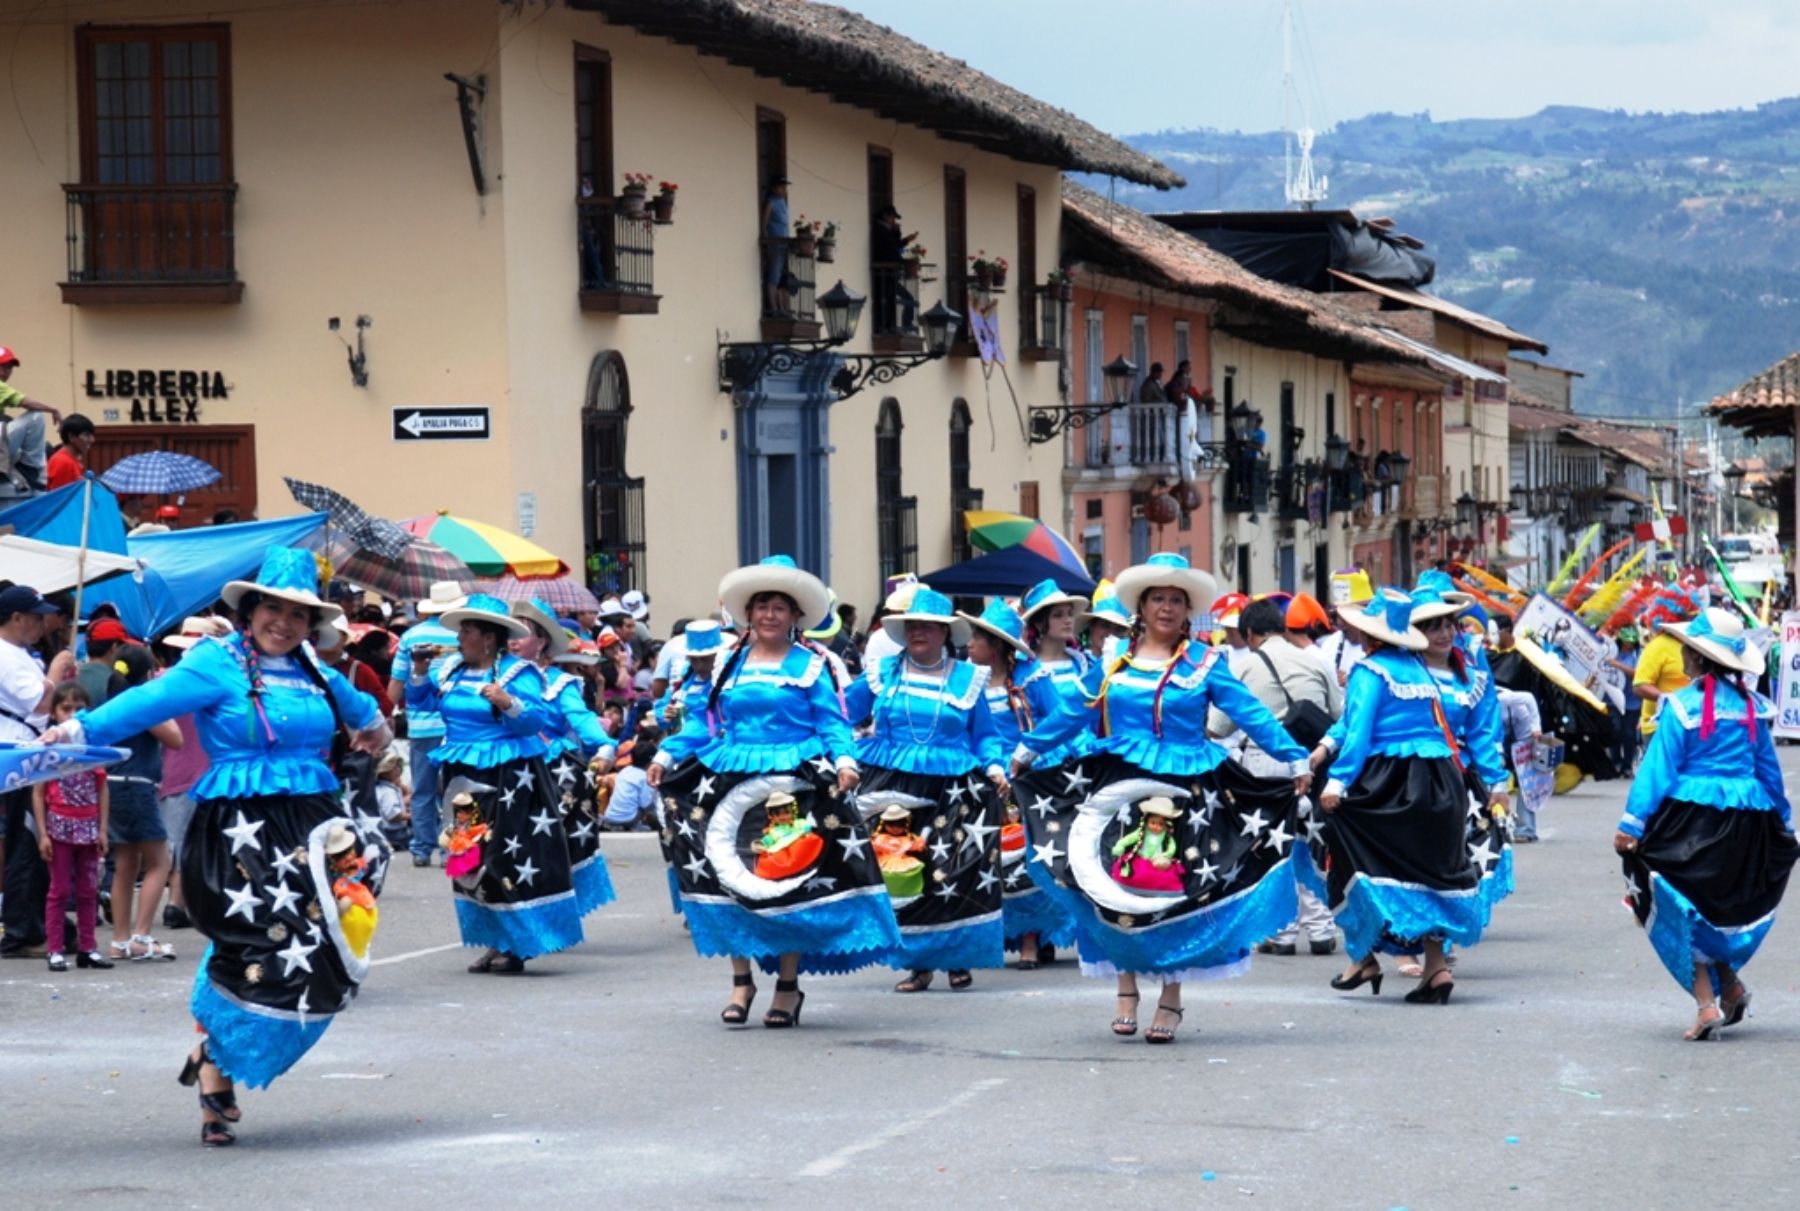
(886, 248)
(22, 453)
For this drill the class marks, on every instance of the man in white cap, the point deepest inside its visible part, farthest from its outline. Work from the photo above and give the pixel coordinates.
(425, 729)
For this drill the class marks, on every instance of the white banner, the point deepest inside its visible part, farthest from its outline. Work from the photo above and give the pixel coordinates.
(1559, 632)
(1787, 686)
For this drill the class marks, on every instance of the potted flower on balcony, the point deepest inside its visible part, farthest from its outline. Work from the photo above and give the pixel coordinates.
(828, 242)
(806, 236)
(989, 272)
(912, 262)
(662, 207)
(636, 192)
(1061, 285)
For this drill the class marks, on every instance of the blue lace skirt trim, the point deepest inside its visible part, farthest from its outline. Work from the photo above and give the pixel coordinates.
(1681, 936)
(1221, 935)
(529, 930)
(593, 884)
(674, 890)
(724, 757)
(981, 943)
(251, 1048)
(830, 936)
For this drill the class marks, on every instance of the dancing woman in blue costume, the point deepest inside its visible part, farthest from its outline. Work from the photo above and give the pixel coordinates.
(254, 865)
(1051, 617)
(1707, 836)
(1229, 833)
(772, 860)
(1393, 859)
(575, 745)
(522, 902)
(1020, 692)
(931, 766)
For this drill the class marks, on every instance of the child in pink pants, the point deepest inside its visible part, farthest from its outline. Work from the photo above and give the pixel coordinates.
(70, 815)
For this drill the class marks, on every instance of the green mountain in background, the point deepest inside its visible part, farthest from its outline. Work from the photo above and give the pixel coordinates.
(1658, 253)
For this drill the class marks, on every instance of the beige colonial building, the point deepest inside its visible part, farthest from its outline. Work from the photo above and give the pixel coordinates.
(393, 248)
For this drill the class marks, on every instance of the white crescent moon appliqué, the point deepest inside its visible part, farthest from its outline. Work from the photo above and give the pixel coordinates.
(722, 836)
(1086, 865)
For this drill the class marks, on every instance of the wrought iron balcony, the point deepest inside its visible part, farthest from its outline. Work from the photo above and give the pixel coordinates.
(152, 244)
(791, 265)
(1247, 482)
(617, 257)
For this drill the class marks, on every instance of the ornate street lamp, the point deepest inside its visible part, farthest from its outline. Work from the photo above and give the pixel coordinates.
(1047, 423)
(1337, 453)
(742, 364)
(1398, 465)
(842, 308)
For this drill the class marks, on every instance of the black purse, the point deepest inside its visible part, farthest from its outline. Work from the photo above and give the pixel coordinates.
(1306, 722)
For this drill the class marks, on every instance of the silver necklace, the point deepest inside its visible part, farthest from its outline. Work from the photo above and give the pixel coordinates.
(937, 710)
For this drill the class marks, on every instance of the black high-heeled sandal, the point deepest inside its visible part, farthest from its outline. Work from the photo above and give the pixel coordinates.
(735, 1014)
(918, 981)
(1366, 973)
(1165, 1034)
(217, 1135)
(1123, 1026)
(961, 979)
(781, 1019)
(509, 965)
(485, 963)
(224, 1103)
(1430, 992)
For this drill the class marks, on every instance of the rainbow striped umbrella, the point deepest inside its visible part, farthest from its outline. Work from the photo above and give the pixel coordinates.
(487, 550)
(991, 530)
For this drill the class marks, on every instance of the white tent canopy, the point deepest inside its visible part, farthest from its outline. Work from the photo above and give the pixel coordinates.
(50, 567)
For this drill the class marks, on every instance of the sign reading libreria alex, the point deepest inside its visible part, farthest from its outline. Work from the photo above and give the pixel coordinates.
(158, 397)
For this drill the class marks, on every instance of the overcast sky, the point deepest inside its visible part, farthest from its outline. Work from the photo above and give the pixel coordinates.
(1131, 66)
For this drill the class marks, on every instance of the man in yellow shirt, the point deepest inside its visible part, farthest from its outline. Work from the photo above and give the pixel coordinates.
(1659, 672)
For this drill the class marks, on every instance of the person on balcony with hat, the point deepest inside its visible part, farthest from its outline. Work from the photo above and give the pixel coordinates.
(1020, 692)
(1237, 830)
(1397, 858)
(578, 750)
(772, 719)
(932, 749)
(424, 728)
(1707, 833)
(279, 968)
(492, 702)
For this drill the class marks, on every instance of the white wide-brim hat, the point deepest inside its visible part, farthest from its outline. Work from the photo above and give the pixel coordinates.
(1721, 637)
(776, 574)
(445, 595)
(1388, 618)
(1166, 571)
(531, 611)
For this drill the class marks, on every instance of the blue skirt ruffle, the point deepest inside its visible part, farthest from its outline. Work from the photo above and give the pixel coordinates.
(527, 930)
(830, 936)
(1681, 935)
(251, 1046)
(593, 884)
(1382, 916)
(728, 757)
(1036, 911)
(980, 943)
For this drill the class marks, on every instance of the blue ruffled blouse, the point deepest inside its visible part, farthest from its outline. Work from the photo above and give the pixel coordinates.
(691, 694)
(1387, 712)
(1472, 709)
(573, 727)
(286, 755)
(924, 725)
(474, 733)
(770, 717)
(1727, 770)
(1036, 699)
(1123, 714)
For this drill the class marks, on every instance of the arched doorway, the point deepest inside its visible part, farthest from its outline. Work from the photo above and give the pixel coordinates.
(896, 516)
(962, 497)
(612, 507)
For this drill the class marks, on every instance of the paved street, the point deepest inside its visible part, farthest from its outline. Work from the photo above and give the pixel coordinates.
(1556, 1076)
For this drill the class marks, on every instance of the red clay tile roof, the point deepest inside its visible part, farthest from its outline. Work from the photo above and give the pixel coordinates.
(1444, 307)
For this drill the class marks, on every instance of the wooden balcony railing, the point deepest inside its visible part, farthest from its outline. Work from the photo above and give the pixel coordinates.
(152, 244)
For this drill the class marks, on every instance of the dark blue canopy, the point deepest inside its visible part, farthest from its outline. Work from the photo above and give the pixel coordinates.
(1005, 574)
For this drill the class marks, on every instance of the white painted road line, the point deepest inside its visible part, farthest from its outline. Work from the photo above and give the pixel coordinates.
(415, 954)
(825, 1166)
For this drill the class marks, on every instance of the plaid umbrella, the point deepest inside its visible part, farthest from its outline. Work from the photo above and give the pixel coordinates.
(564, 594)
(365, 530)
(159, 473)
(408, 578)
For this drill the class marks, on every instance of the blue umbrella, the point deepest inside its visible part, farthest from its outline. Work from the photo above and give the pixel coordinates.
(159, 473)
(23, 765)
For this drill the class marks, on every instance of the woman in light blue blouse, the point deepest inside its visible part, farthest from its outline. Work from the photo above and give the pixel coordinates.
(931, 764)
(1020, 693)
(1397, 859)
(1229, 883)
(520, 904)
(576, 745)
(1707, 836)
(1050, 616)
(256, 872)
(771, 858)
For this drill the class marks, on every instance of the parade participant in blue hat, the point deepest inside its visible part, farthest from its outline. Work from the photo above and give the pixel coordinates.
(255, 867)
(1393, 857)
(1107, 622)
(1020, 693)
(1176, 911)
(932, 764)
(1707, 834)
(576, 745)
(766, 765)
(520, 903)
(1051, 617)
